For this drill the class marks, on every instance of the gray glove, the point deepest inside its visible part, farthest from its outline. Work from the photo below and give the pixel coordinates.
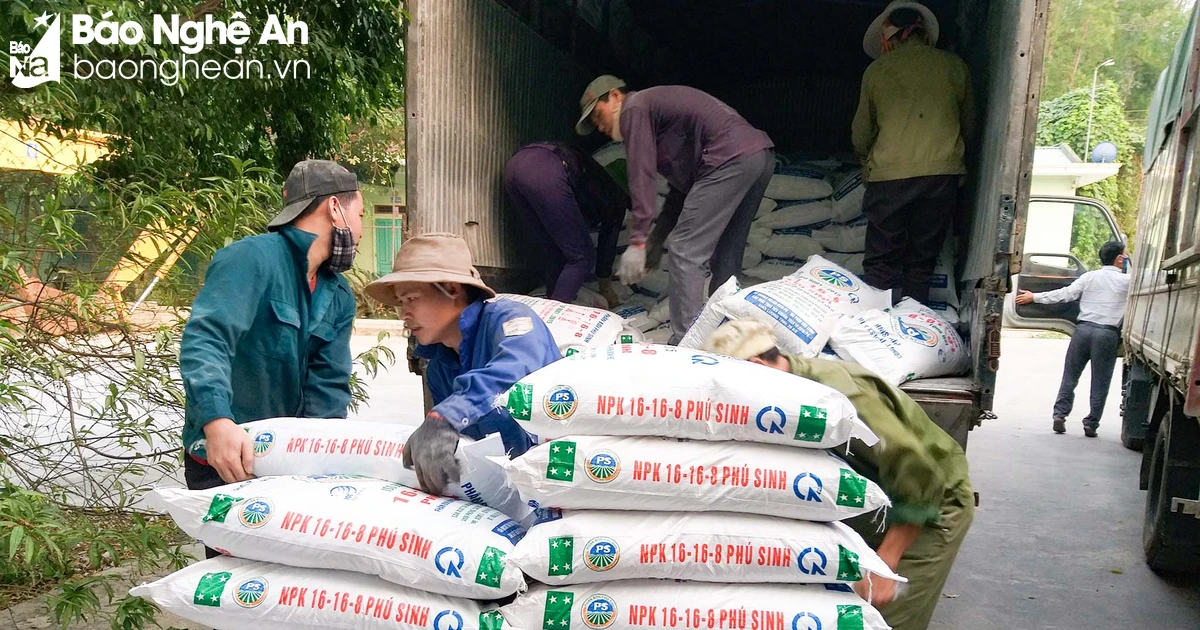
(432, 451)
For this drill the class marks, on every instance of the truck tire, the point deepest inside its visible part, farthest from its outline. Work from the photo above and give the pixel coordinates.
(1171, 538)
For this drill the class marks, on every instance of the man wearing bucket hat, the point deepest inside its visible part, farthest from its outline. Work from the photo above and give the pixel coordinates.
(922, 469)
(707, 151)
(914, 117)
(476, 349)
(269, 333)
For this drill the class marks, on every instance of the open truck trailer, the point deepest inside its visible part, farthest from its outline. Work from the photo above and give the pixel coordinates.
(486, 76)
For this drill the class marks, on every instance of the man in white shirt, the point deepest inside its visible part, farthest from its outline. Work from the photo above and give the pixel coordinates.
(1101, 296)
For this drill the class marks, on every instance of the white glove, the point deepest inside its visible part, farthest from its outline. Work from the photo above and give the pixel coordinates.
(633, 265)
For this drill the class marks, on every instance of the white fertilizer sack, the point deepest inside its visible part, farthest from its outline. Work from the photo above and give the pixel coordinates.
(587, 472)
(655, 604)
(907, 342)
(710, 317)
(803, 308)
(677, 392)
(948, 313)
(235, 594)
(573, 327)
(842, 238)
(798, 183)
(661, 311)
(774, 269)
(758, 237)
(637, 318)
(765, 206)
(333, 446)
(942, 284)
(848, 198)
(788, 215)
(793, 246)
(660, 335)
(357, 524)
(590, 299)
(598, 545)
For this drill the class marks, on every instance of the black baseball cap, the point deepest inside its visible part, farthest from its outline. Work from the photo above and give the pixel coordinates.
(307, 181)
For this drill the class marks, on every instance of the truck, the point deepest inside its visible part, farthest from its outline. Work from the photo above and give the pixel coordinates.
(486, 76)
(1161, 395)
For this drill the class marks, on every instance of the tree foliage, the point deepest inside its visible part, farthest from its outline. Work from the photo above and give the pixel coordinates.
(1064, 120)
(1139, 35)
(90, 396)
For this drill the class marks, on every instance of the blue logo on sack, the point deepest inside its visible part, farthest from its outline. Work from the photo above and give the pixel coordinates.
(251, 593)
(348, 493)
(455, 621)
(806, 621)
(453, 559)
(263, 443)
(917, 334)
(599, 611)
(812, 561)
(700, 359)
(255, 513)
(773, 427)
(808, 490)
(561, 403)
(835, 278)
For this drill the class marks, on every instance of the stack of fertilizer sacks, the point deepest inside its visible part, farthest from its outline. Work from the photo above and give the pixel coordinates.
(663, 463)
(332, 534)
(801, 274)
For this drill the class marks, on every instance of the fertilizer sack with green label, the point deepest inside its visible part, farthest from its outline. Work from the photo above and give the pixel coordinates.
(803, 308)
(711, 315)
(358, 524)
(586, 472)
(655, 604)
(906, 342)
(598, 545)
(235, 594)
(573, 327)
(666, 391)
(325, 446)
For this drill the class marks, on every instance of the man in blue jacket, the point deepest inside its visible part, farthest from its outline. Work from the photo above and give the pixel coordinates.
(476, 349)
(269, 333)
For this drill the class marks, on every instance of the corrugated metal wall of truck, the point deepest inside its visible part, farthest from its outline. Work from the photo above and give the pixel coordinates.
(510, 87)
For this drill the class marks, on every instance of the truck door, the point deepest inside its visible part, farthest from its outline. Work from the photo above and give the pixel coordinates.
(1063, 236)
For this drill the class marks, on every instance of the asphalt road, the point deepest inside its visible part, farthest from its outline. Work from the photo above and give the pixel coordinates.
(1056, 542)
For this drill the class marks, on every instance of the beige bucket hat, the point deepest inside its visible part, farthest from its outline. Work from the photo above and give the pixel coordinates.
(873, 39)
(434, 257)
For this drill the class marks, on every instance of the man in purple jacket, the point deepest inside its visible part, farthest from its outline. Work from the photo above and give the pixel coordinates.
(560, 193)
(706, 150)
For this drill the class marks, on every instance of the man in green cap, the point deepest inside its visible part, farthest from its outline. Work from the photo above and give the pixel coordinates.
(269, 333)
(719, 162)
(920, 467)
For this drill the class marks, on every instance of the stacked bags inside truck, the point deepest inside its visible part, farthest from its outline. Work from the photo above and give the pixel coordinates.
(665, 463)
(314, 542)
(824, 308)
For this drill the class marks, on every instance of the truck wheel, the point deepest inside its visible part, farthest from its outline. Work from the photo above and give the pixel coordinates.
(1171, 538)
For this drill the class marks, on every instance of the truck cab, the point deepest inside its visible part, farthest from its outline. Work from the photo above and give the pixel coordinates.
(1062, 239)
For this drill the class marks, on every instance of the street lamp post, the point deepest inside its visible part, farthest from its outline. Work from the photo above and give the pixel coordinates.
(1087, 142)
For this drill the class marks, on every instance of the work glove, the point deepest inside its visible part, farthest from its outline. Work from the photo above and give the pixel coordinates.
(633, 265)
(432, 451)
(609, 293)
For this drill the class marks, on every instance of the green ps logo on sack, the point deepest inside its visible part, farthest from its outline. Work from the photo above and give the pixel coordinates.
(557, 615)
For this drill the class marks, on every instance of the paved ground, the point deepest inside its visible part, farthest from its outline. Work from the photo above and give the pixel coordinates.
(1057, 537)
